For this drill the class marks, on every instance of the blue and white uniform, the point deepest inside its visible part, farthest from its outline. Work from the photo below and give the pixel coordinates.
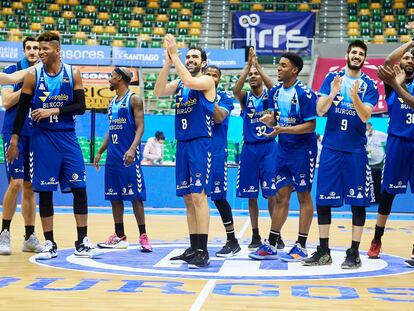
(19, 169)
(399, 154)
(56, 157)
(257, 163)
(344, 173)
(122, 182)
(219, 148)
(296, 155)
(193, 131)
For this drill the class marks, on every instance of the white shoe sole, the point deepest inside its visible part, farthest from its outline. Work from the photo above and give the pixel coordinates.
(100, 245)
(5, 252)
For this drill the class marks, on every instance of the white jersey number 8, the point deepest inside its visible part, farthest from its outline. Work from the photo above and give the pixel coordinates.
(184, 124)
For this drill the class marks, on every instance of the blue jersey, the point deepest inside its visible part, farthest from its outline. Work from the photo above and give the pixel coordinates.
(54, 92)
(10, 113)
(254, 109)
(219, 142)
(122, 129)
(401, 115)
(193, 114)
(344, 130)
(295, 105)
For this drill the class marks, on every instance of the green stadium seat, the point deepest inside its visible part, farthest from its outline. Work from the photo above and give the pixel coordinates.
(144, 44)
(155, 44)
(149, 85)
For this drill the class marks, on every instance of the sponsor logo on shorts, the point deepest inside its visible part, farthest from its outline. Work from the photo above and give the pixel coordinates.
(250, 190)
(331, 196)
(51, 181)
(399, 185)
(111, 192)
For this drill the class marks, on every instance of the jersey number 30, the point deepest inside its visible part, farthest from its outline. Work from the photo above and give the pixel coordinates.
(410, 118)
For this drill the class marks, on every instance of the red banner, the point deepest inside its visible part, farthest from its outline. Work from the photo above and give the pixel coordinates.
(325, 65)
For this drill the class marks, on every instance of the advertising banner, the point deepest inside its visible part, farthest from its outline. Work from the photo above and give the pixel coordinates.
(86, 55)
(274, 33)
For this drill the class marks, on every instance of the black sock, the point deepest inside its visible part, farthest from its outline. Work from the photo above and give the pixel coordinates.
(324, 243)
(29, 230)
(119, 229)
(202, 241)
(355, 245)
(302, 237)
(194, 241)
(230, 234)
(82, 232)
(49, 236)
(379, 232)
(255, 231)
(6, 225)
(273, 237)
(142, 229)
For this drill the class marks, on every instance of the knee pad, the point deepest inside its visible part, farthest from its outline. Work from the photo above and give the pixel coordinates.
(80, 201)
(384, 207)
(324, 215)
(46, 204)
(359, 215)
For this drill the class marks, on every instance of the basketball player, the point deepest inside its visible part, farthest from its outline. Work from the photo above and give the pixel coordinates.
(55, 93)
(18, 172)
(195, 96)
(258, 152)
(123, 176)
(222, 109)
(296, 157)
(347, 98)
(399, 154)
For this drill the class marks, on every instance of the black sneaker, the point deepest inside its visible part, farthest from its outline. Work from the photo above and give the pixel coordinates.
(185, 257)
(352, 260)
(230, 249)
(321, 257)
(200, 260)
(255, 243)
(280, 245)
(410, 263)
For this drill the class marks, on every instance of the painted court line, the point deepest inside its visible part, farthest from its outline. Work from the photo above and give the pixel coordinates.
(202, 297)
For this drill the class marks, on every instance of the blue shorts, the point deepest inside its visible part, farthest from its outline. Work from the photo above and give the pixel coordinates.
(398, 166)
(20, 168)
(343, 176)
(192, 167)
(218, 178)
(257, 166)
(124, 183)
(57, 159)
(297, 171)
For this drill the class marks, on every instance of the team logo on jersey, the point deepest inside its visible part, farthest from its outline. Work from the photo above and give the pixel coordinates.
(65, 80)
(198, 183)
(338, 100)
(75, 176)
(41, 87)
(43, 98)
(131, 262)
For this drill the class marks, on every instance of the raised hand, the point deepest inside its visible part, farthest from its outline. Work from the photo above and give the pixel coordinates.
(399, 74)
(336, 85)
(387, 75)
(355, 88)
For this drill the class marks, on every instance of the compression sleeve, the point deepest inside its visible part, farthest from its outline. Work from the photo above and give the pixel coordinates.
(21, 113)
(78, 106)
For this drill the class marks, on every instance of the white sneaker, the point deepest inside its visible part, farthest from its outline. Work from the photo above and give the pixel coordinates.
(32, 245)
(87, 249)
(5, 248)
(49, 251)
(115, 242)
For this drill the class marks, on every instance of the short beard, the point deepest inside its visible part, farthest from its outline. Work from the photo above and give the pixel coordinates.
(112, 88)
(194, 72)
(352, 67)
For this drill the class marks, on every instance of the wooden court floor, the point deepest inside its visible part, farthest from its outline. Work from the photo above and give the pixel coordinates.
(131, 280)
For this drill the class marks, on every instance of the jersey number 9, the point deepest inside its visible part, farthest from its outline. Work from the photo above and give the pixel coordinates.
(344, 124)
